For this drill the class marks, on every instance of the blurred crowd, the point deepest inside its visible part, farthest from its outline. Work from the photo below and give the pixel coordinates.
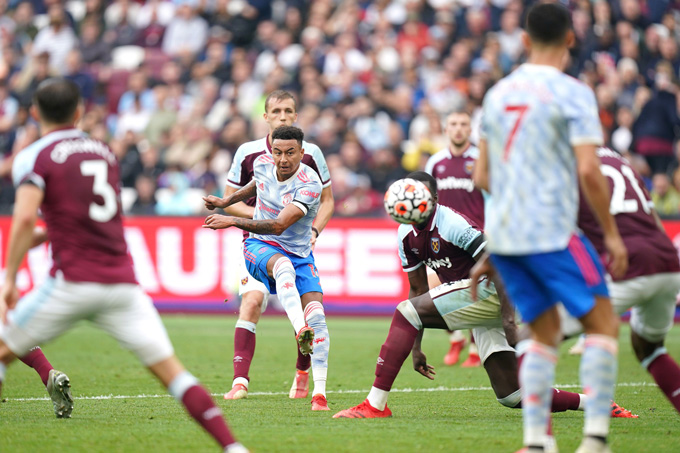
(175, 86)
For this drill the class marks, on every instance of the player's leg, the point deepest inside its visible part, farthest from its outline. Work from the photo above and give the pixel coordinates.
(456, 337)
(583, 292)
(316, 319)
(130, 317)
(650, 322)
(40, 316)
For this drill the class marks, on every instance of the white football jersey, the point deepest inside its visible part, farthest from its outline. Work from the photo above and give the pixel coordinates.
(531, 119)
(303, 189)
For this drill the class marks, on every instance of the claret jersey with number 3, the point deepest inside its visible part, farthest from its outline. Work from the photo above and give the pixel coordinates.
(531, 120)
(81, 205)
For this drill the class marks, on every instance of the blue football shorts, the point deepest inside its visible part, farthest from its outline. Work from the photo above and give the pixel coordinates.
(536, 282)
(257, 253)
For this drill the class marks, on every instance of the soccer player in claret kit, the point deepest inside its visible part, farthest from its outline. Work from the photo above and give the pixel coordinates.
(74, 181)
(278, 252)
(652, 281)
(452, 168)
(280, 110)
(540, 133)
(449, 243)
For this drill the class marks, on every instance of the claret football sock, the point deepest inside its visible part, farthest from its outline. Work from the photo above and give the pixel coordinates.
(666, 374)
(186, 389)
(397, 347)
(37, 360)
(244, 348)
(565, 401)
(304, 362)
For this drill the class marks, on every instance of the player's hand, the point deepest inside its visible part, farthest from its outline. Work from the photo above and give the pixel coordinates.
(8, 299)
(217, 222)
(617, 264)
(481, 267)
(420, 364)
(212, 202)
(313, 241)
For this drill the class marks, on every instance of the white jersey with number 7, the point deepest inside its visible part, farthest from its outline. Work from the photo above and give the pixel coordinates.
(531, 120)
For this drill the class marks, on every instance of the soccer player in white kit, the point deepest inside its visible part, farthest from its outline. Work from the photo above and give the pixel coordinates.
(280, 110)
(74, 181)
(540, 132)
(278, 252)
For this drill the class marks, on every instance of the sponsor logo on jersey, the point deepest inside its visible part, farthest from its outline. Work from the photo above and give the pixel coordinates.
(436, 264)
(469, 166)
(455, 183)
(434, 244)
(309, 193)
(286, 199)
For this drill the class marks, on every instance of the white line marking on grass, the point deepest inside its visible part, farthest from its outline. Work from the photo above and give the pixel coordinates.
(404, 390)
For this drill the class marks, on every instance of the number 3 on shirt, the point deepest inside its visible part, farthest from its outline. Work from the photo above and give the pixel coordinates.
(100, 170)
(519, 111)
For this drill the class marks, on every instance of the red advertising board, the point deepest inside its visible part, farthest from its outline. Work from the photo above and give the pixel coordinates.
(187, 268)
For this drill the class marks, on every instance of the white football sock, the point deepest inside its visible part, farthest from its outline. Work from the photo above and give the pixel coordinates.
(598, 376)
(284, 275)
(378, 398)
(536, 376)
(316, 319)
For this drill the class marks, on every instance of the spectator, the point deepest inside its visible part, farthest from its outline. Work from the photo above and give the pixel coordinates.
(145, 204)
(655, 129)
(57, 39)
(81, 77)
(665, 197)
(187, 33)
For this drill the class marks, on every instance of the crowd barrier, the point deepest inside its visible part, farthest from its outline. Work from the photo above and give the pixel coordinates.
(186, 268)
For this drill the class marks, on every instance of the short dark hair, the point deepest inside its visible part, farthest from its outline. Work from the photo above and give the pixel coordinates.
(279, 95)
(548, 23)
(425, 178)
(57, 100)
(288, 133)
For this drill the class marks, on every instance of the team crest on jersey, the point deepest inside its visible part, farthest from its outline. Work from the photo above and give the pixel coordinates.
(469, 166)
(286, 199)
(434, 243)
(244, 281)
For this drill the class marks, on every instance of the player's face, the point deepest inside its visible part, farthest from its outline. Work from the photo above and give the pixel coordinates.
(280, 112)
(287, 156)
(458, 128)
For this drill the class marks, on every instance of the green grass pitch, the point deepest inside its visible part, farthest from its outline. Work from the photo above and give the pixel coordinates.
(456, 412)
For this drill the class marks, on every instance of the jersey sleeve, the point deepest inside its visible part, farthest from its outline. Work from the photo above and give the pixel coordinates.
(583, 118)
(25, 169)
(307, 196)
(236, 176)
(409, 261)
(429, 166)
(320, 164)
(457, 229)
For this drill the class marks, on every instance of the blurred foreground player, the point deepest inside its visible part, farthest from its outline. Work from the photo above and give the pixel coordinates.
(449, 243)
(540, 133)
(278, 252)
(74, 181)
(280, 110)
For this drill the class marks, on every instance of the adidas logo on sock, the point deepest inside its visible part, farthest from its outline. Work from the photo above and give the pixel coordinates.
(380, 361)
(238, 359)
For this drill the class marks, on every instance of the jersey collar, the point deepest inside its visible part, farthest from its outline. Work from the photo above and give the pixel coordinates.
(283, 183)
(431, 223)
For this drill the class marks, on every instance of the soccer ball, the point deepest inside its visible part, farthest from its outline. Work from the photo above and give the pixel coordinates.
(408, 201)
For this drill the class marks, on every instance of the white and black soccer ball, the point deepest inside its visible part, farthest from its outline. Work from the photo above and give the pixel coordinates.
(408, 201)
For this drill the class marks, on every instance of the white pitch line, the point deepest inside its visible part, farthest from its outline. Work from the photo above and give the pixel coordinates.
(404, 390)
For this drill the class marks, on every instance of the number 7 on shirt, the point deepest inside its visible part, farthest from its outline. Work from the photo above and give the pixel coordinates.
(519, 110)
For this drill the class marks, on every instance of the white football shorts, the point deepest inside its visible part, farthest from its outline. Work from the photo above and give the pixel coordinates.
(651, 299)
(123, 310)
(455, 305)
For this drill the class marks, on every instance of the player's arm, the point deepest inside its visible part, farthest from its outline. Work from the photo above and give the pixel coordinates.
(39, 236)
(27, 201)
(288, 216)
(480, 174)
(325, 212)
(233, 200)
(596, 190)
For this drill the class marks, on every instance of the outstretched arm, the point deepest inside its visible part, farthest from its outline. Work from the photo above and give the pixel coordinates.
(233, 200)
(288, 216)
